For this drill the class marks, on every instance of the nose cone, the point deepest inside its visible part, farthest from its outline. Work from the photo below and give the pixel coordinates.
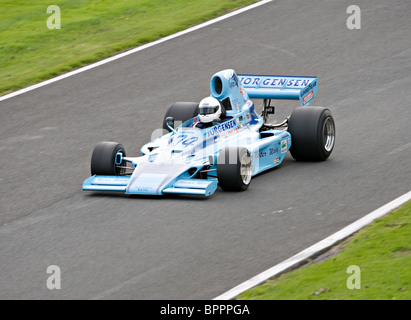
(152, 178)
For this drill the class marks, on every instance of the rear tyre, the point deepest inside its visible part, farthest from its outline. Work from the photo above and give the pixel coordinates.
(234, 169)
(181, 112)
(103, 159)
(312, 132)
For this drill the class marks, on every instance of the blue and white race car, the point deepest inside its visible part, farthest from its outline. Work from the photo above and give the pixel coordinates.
(220, 141)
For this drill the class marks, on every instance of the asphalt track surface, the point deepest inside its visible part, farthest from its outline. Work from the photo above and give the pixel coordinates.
(111, 246)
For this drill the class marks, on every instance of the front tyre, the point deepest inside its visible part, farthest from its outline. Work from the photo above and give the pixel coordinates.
(234, 169)
(312, 132)
(103, 159)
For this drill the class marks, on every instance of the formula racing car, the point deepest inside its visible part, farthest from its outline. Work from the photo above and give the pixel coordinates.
(221, 141)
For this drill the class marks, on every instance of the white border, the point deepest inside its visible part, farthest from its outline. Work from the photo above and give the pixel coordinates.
(299, 257)
(124, 54)
(315, 249)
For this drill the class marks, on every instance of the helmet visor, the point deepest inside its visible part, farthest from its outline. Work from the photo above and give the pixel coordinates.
(204, 110)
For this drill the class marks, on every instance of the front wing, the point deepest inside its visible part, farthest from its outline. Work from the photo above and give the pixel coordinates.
(150, 185)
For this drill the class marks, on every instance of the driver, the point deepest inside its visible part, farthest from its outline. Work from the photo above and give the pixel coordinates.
(209, 112)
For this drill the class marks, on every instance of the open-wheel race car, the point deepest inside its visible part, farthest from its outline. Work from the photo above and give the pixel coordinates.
(220, 141)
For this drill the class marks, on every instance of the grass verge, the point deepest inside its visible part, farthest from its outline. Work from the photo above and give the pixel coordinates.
(382, 251)
(90, 30)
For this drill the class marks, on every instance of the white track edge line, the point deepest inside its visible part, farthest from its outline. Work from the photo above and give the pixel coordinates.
(137, 49)
(316, 248)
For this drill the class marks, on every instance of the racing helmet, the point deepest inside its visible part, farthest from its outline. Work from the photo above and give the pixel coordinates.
(209, 110)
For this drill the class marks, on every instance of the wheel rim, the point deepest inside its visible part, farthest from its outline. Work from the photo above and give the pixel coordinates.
(245, 169)
(329, 134)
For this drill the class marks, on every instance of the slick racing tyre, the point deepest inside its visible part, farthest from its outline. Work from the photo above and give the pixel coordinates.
(234, 169)
(181, 112)
(103, 159)
(312, 132)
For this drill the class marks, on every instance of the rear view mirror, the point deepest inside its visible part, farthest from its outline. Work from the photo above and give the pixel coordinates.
(170, 122)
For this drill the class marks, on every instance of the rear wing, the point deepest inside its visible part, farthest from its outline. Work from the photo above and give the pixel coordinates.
(280, 87)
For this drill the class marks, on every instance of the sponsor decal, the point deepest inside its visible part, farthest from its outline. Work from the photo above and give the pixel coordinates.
(239, 121)
(232, 132)
(225, 126)
(273, 151)
(246, 81)
(260, 155)
(144, 189)
(276, 161)
(233, 81)
(283, 146)
(275, 82)
(309, 88)
(111, 181)
(191, 183)
(236, 104)
(308, 97)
